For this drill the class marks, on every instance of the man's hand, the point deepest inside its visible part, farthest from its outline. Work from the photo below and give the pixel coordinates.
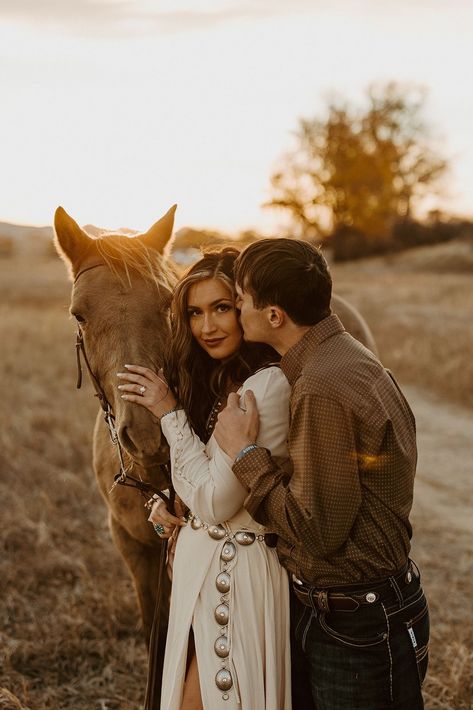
(237, 425)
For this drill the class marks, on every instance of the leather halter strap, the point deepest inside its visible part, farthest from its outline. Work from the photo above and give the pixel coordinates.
(123, 478)
(99, 392)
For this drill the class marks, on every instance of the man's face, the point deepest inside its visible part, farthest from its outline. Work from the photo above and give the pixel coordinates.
(254, 321)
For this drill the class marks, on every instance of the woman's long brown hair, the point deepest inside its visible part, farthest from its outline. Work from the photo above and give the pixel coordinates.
(196, 379)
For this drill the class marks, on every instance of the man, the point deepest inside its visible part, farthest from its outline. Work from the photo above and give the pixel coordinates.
(342, 516)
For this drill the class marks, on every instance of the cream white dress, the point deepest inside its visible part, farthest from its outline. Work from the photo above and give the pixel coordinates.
(251, 619)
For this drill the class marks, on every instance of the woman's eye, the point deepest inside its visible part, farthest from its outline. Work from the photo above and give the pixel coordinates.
(193, 312)
(224, 307)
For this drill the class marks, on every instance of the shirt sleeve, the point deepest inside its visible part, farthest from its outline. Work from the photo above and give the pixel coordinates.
(206, 482)
(316, 506)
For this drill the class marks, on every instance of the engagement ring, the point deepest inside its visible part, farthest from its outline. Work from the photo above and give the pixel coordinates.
(142, 390)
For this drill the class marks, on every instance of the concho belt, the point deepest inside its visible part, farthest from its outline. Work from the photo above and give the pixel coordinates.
(222, 645)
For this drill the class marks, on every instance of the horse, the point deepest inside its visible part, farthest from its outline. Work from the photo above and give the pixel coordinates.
(120, 299)
(121, 292)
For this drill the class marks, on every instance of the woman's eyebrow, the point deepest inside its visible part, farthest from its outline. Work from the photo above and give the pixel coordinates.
(221, 300)
(213, 303)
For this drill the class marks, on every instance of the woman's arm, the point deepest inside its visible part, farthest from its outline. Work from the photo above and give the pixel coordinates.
(206, 483)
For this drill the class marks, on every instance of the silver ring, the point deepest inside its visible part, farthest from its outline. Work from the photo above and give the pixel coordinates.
(159, 529)
(142, 390)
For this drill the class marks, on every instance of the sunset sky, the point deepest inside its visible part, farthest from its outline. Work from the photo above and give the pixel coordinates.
(116, 109)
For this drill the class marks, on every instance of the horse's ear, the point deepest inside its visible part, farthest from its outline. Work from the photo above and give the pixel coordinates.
(159, 235)
(71, 241)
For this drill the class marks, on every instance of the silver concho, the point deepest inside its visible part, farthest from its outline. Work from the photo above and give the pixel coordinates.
(371, 597)
(224, 680)
(222, 614)
(223, 582)
(217, 532)
(228, 552)
(222, 647)
(196, 523)
(245, 538)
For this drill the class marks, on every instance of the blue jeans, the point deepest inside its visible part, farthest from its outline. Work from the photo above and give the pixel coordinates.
(374, 658)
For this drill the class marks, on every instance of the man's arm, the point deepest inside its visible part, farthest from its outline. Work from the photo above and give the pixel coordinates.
(318, 504)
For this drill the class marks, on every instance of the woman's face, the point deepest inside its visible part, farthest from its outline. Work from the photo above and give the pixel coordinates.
(213, 318)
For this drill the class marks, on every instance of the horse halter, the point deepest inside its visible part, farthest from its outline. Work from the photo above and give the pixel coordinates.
(123, 477)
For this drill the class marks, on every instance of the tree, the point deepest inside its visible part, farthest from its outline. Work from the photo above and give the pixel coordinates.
(359, 170)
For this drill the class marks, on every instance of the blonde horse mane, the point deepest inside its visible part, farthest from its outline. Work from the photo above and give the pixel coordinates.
(123, 254)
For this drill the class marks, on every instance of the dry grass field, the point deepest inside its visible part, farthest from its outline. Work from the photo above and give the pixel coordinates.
(69, 636)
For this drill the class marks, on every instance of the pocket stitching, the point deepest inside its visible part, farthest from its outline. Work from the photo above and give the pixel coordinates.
(350, 640)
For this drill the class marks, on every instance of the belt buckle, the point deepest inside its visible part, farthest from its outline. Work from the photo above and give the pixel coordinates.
(322, 601)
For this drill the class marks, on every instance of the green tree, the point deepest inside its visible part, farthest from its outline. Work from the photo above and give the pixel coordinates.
(359, 169)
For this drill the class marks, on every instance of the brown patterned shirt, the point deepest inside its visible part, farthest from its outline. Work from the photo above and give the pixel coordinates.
(342, 515)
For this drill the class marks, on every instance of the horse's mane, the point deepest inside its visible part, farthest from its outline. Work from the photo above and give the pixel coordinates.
(123, 254)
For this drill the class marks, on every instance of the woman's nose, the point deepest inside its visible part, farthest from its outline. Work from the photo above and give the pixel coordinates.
(208, 325)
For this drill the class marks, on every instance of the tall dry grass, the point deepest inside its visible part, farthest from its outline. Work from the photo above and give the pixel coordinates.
(419, 305)
(69, 635)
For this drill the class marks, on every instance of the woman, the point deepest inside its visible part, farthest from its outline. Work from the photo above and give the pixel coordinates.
(228, 637)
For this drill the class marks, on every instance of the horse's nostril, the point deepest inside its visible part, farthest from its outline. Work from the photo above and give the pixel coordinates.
(126, 440)
(139, 443)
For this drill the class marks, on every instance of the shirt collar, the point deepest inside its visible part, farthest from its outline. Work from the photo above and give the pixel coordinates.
(293, 361)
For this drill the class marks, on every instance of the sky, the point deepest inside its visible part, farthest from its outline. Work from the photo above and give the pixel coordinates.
(117, 109)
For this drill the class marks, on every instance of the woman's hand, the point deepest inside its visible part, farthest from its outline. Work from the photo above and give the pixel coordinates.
(161, 516)
(148, 388)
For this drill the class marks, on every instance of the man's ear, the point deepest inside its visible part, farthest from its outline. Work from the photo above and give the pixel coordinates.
(276, 316)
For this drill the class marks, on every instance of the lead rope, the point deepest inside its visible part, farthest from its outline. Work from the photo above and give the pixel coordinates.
(157, 639)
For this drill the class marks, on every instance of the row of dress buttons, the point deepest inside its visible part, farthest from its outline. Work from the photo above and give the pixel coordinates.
(223, 678)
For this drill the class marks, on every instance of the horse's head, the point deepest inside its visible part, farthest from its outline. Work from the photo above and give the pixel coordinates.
(120, 298)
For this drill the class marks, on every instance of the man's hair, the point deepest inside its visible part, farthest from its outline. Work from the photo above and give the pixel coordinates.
(288, 273)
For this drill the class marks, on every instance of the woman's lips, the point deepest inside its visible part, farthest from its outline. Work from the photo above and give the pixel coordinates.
(213, 342)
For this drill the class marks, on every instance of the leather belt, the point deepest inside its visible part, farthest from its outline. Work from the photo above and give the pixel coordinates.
(328, 601)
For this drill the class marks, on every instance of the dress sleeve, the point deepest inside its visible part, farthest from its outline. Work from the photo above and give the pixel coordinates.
(202, 475)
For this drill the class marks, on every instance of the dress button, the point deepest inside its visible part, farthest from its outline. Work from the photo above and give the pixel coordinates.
(223, 582)
(222, 614)
(222, 647)
(223, 679)
(228, 552)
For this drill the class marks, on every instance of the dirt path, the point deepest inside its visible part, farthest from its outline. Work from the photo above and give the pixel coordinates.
(444, 481)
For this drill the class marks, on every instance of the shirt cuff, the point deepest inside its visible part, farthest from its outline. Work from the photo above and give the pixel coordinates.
(251, 465)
